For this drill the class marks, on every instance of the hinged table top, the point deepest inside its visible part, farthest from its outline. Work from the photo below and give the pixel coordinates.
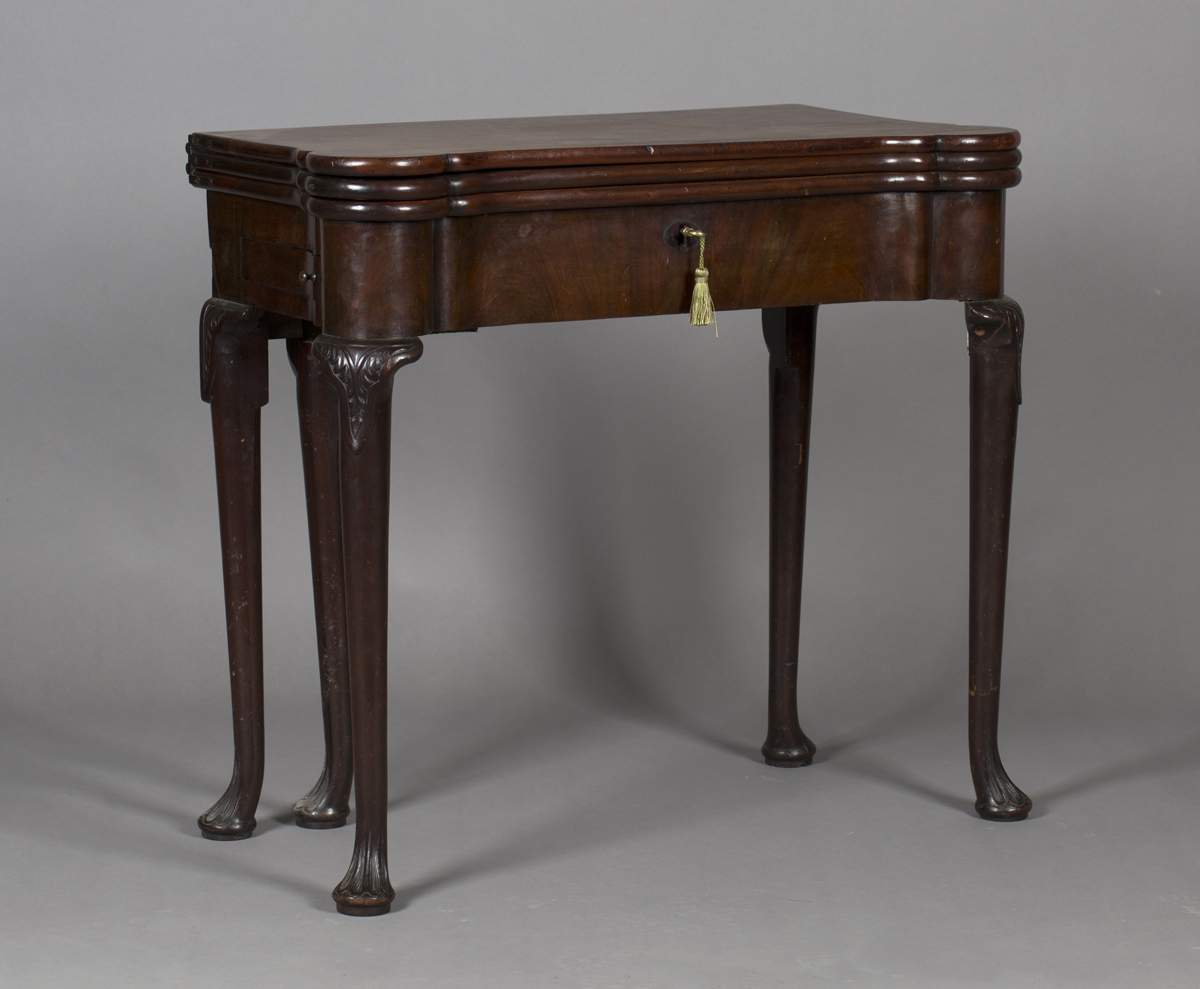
(434, 147)
(414, 171)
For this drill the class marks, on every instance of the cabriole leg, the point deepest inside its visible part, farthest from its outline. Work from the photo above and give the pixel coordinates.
(363, 375)
(791, 336)
(233, 379)
(994, 330)
(327, 804)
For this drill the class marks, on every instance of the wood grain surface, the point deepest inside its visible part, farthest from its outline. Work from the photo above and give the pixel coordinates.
(432, 147)
(418, 171)
(354, 241)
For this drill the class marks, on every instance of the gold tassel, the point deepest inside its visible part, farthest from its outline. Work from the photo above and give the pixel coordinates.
(702, 303)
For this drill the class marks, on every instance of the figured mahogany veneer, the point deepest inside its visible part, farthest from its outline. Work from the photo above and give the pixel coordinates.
(355, 241)
(421, 171)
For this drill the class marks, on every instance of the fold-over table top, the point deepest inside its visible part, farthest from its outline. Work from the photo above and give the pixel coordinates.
(473, 166)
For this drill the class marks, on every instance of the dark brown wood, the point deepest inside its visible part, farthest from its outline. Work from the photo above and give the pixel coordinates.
(419, 171)
(791, 338)
(658, 173)
(468, 184)
(375, 278)
(622, 194)
(259, 251)
(966, 245)
(327, 804)
(400, 279)
(590, 264)
(233, 379)
(725, 134)
(390, 200)
(363, 373)
(995, 330)
(374, 235)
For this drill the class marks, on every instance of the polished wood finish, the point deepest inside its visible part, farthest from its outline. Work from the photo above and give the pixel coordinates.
(791, 336)
(375, 279)
(598, 263)
(233, 380)
(995, 331)
(327, 804)
(421, 171)
(259, 251)
(364, 372)
(353, 242)
(723, 134)
(386, 280)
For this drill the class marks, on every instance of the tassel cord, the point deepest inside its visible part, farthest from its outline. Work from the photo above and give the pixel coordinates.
(702, 313)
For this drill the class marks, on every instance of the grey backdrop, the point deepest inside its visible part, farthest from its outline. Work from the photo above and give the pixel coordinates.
(579, 529)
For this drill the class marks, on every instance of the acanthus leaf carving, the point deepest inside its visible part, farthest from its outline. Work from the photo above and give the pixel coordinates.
(215, 314)
(363, 371)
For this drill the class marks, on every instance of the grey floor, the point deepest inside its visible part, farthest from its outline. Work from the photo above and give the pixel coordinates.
(559, 846)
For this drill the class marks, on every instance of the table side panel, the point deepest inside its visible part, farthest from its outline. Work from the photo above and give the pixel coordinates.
(259, 249)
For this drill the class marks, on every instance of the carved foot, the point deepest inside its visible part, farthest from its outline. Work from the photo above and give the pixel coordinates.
(363, 373)
(788, 750)
(320, 809)
(1001, 799)
(366, 890)
(221, 822)
(327, 804)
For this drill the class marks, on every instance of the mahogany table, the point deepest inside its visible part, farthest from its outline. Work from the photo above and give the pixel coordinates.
(353, 242)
